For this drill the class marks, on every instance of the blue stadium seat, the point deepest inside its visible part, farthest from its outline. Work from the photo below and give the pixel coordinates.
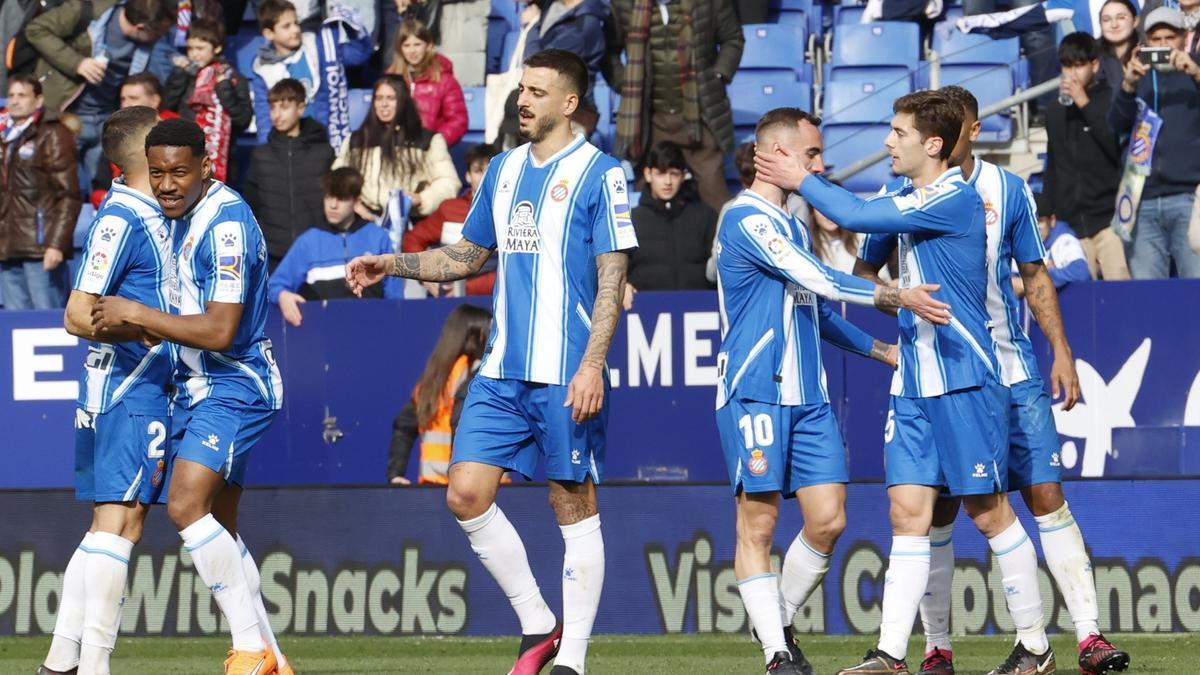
(474, 96)
(847, 14)
(861, 99)
(976, 49)
(606, 129)
(360, 104)
(792, 17)
(811, 10)
(497, 29)
(989, 84)
(774, 47)
(883, 43)
(848, 143)
(750, 100)
(510, 45)
(509, 11)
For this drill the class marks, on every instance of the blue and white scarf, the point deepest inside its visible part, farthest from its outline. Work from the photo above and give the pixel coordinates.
(343, 25)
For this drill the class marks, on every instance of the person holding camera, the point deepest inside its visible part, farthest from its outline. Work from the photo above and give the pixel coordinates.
(1162, 134)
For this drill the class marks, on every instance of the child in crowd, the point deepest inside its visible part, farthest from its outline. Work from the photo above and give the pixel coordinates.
(315, 266)
(430, 75)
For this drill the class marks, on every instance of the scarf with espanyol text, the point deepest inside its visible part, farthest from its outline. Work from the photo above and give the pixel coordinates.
(212, 116)
(342, 25)
(632, 116)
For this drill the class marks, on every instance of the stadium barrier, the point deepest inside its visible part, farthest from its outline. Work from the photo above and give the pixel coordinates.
(392, 561)
(348, 369)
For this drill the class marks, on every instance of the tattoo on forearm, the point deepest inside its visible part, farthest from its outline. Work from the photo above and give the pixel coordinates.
(1043, 302)
(610, 285)
(879, 350)
(887, 297)
(448, 263)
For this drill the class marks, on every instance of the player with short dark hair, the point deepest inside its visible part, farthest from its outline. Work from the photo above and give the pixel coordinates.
(777, 429)
(122, 423)
(947, 420)
(227, 388)
(557, 211)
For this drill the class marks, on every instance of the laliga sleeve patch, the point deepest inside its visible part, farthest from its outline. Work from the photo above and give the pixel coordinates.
(103, 247)
(765, 233)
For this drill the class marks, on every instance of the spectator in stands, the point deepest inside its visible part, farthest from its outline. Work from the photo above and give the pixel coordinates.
(1065, 257)
(141, 89)
(205, 88)
(680, 56)
(675, 232)
(444, 227)
(1118, 37)
(1036, 45)
(578, 26)
(1083, 158)
(430, 77)
(39, 199)
(83, 59)
(437, 400)
(460, 31)
(394, 152)
(834, 246)
(283, 185)
(1191, 20)
(1173, 93)
(315, 266)
(290, 52)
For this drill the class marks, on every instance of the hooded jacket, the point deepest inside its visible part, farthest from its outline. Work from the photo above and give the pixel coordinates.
(1175, 167)
(582, 30)
(674, 241)
(283, 186)
(39, 191)
(441, 104)
(315, 266)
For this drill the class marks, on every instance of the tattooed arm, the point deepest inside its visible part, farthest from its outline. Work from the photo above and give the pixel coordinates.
(586, 391)
(448, 263)
(1043, 302)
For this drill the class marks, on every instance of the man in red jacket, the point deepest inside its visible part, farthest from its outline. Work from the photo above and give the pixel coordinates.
(444, 227)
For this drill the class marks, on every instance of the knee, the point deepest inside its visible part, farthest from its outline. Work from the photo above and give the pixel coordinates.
(465, 503)
(992, 514)
(756, 533)
(908, 520)
(132, 530)
(184, 510)
(1045, 499)
(824, 533)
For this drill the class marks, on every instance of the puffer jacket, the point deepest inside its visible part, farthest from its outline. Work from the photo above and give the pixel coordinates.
(441, 104)
(674, 242)
(717, 44)
(39, 191)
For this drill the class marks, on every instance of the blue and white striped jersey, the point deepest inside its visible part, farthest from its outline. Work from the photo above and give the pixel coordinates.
(221, 257)
(768, 283)
(942, 241)
(1012, 234)
(549, 221)
(128, 254)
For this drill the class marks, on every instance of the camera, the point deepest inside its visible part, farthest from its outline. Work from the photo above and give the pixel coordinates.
(1155, 56)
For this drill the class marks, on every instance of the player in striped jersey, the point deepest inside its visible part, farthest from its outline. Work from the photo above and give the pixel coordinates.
(777, 428)
(122, 421)
(557, 210)
(228, 387)
(947, 418)
(1034, 467)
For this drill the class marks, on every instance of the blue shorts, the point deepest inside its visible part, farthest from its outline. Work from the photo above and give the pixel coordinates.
(1033, 449)
(508, 423)
(121, 456)
(781, 448)
(959, 440)
(219, 435)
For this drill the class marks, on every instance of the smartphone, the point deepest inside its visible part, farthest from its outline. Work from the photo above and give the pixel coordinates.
(1155, 56)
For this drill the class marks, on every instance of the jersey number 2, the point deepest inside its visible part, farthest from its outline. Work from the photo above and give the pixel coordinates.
(158, 434)
(758, 432)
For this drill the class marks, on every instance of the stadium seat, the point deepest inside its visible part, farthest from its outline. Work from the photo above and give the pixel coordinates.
(360, 103)
(474, 97)
(811, 10)
(861, 99)
(606, 129)
(958, 47)
(750, 100)
(848, 14)
(847, 143)
(989, 84)
(774, 47)
(510, 45)
(883, 43)
(509, 11)
(497, 29)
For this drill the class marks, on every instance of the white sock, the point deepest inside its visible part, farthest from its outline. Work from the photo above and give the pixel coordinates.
(935, 605)
(903, 587)
(1062, 544)
(502, 552)
(583, 579)
(1019, 574)
(803, 569)
(68, 625)
(760, 595)
(105, 570)
(218, 561)
(254, 587)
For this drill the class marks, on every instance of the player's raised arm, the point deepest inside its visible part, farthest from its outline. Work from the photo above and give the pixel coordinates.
(449, 263)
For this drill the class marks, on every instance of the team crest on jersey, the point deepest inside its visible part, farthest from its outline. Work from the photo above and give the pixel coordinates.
(187, 249)
(757, 464)
(990, 215)
(559, 192)
(522, 235)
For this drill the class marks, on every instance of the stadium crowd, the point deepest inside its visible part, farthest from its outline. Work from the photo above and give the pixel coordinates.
(277, 130)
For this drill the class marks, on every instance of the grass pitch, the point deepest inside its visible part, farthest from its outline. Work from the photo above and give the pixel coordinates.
(610, 654)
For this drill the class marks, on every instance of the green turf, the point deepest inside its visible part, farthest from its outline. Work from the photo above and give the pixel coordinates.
(610, 654)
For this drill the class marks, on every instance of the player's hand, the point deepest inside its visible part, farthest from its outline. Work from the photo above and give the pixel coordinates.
(585, 393)
(400, 480)
(919, 301)
(1134, 71)
(1064, 381)
(289, 304)
(892, 356)
(627, 298)
(367, 270)
(52, 258)
(91, 70)
(433, 288)
(780, 167)
(1018, 285)
(111, 311)
(150, 341)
